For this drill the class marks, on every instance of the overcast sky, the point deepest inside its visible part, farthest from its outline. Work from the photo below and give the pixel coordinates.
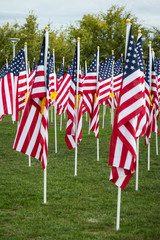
(65, 12)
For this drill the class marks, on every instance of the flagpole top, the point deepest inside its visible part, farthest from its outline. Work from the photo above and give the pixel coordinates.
(128, 20)
(98, 47)
(112, 51)
(113, 61)
(46, 27)
(53, 50)
(34, 58)
(25, 44)
(121, 54)
(152, 50)
(139, 31)
(78, 39)
(150, 42)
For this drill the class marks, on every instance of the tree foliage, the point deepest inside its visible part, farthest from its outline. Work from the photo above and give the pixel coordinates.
(106, 29)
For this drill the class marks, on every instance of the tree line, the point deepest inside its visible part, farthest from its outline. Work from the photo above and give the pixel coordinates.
(106, 29)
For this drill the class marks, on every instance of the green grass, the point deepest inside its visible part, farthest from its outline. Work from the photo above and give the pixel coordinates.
(82, 207)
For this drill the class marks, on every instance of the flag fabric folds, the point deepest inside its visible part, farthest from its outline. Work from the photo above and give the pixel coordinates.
(14, 87)
(32, 134)
(123, 140)
(74, 108)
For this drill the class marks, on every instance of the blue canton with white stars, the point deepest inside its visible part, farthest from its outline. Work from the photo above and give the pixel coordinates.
(93, 67)
(41, 60)
(139, 51)
(131, 64)
(72, 70)
(118, 67)
(18, 64)
(105, 69)
(158, 66)
(60, 73)
(34, 65)
(147, 72)
(51, 64)
(3, 71)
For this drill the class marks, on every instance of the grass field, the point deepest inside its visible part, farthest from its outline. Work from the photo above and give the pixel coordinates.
(79, 208)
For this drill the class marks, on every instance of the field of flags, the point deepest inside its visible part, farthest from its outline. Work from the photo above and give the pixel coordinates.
(128, 87)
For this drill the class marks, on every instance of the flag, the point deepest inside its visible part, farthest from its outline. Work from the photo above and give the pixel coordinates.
(141, 118)
(32, 134)
(3, 71)
(123, 140)
(60, 73)
(90, 87)
(14, 87)
(148, 102)
(53, 83)
(74, 108)
(158, 78)
(90, 79)
(63, 91)
(105, 75)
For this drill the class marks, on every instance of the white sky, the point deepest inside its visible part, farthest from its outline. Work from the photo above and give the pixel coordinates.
(65, 12)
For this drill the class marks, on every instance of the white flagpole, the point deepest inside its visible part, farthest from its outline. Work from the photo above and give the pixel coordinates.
(104, 111)
(97, 100)
(78, 66)
(45, 72)
(112, 110)
(137, 167)
(128, 25)
(150, 69)
(26, 62)
(55, 104)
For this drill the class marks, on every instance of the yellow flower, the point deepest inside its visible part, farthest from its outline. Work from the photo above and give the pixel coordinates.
(43, 103)
(53, 95)
(79, 97)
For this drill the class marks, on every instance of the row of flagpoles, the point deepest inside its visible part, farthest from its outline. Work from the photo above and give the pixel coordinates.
(35, 92)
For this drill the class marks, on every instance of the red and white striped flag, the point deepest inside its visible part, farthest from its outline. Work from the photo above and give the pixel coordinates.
(14, 87)
(123, 141)
(74, 131)
(32, 134)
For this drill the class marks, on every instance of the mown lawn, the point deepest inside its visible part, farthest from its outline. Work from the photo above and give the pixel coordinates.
(82, 207)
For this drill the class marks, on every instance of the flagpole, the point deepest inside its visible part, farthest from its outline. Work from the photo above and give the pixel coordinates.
(137, 165)
(97, 100)
(78, 66)
(128, 25)
(104, 111)
(45, 72)
(55, 104)
(26, 61)
(112, 110)
(150, 69)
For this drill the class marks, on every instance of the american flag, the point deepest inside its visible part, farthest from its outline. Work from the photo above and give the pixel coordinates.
(32, 134)
(105, 74)
(34, 65)
(89, 87)
(154, 94)
(123, 141)
(60, 73)
(32, 74)
(148, 102)
(63, 91)
(90, 79)
(53, 83)
(158, 77)
(141, 119)
(3, 71)
(117, 75)
(14, 87)
(71, 127)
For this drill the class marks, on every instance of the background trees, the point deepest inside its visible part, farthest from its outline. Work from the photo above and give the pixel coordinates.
(106, 29)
